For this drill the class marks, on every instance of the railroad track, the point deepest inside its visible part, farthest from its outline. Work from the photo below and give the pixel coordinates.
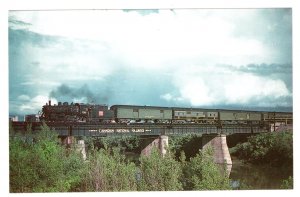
(92, 129)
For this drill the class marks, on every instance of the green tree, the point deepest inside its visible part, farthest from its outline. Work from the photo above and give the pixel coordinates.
(159, 173)
(287, 184)
(125, 143)
(107, 170)
(189, 143)
(42, 164)
(272, 148)
(22, 177)
(201, 173)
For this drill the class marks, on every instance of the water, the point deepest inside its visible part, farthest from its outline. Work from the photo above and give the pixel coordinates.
(249, 176)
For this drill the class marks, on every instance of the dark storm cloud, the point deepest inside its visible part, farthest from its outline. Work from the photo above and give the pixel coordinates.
(82, 93)
(133, 87)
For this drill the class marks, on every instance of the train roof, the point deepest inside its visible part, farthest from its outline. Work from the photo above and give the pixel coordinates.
(140, 106)
(191, 108)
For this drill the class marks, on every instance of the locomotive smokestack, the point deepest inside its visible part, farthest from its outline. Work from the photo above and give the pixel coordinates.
(49, 102)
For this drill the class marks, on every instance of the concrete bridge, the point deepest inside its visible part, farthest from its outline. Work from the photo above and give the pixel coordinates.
(212, 135)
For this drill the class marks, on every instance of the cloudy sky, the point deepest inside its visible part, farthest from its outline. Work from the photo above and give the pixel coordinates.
(224, 58)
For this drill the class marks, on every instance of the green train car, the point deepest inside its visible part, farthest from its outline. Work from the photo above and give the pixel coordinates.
(243, 116)
(194, 115)
(125, 113)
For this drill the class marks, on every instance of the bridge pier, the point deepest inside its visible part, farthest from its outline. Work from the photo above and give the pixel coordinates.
(221, 153)
(161, 142)
(79, 145)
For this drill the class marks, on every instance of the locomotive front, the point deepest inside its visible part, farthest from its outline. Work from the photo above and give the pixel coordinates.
(75, 112)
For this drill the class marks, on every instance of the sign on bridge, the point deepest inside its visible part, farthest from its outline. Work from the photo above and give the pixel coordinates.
(95, 130)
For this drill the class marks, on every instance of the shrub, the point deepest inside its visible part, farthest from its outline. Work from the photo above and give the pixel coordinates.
(273, 148)
(42, 164)
(201, 173)
(159, 173)
(107, 170)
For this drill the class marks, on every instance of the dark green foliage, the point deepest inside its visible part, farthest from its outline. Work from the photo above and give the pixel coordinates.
(41, 164)
(273, 148)
(159, 174)
(11, 129)
(201, 173)
(236, 138)
(287, 184)
(107, 170)
(190, 144)
(22, 176)
(125, 143)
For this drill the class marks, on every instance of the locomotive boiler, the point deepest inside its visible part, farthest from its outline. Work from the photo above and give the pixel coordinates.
(75, 112)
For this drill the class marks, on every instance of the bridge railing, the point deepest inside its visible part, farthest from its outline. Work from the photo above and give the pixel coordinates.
(94, 130)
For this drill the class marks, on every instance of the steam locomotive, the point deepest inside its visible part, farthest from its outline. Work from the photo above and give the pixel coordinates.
(132, 114)
(75, 112)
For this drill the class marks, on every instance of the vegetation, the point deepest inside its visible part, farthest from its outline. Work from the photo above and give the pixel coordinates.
(189, 144)
(159, 174)
(39, 163)
(107, 170)
(201, 173)
(287, 184)
(275, 149)
(124, 143)
(269, 150)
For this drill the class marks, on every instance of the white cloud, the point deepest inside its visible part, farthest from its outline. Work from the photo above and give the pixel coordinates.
(26, 107)
(24, 97)
(171, 97)
(167, 97)
(214, 86)
(34, 105)
(244, 87)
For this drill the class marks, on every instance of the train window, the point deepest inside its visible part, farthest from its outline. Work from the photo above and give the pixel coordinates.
(161, 111)
(135, 110)
(188, 112)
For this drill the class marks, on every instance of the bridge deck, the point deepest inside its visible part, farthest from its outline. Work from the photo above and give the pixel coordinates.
(95, 130)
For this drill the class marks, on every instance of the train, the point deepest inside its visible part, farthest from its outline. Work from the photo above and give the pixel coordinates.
(75, 112)
(135, 114)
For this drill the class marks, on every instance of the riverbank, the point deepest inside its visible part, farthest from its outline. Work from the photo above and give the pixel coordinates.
(264, 161)
(252, 176)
